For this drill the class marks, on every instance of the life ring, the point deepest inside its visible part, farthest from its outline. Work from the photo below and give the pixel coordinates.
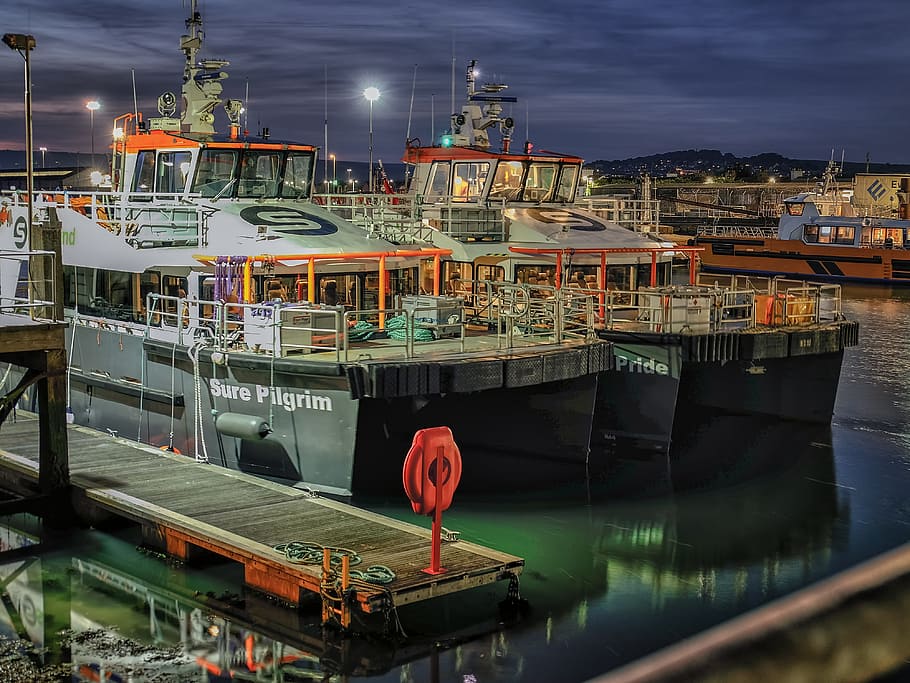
(420, 476)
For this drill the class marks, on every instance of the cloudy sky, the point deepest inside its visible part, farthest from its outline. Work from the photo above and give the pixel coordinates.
(603, 79)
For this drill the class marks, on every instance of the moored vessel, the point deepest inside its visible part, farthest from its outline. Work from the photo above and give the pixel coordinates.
(216, 310)
(517, 218)
(819, 236)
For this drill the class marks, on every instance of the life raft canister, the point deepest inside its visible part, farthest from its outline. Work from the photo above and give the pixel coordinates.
(420, 476)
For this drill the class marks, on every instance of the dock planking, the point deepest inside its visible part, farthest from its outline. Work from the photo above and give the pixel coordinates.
(182, 504)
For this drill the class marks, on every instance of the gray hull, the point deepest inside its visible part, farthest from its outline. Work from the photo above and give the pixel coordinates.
(321, 437)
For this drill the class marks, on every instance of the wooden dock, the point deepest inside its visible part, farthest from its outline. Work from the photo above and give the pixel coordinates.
(183, 506)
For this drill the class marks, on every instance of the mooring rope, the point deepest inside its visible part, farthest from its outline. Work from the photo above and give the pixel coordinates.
(303, 552)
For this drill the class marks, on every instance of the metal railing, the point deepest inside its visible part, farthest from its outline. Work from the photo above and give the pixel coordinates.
(640, 215)
(34, 275)
(514, 315)
(143, 219)
(736, 231)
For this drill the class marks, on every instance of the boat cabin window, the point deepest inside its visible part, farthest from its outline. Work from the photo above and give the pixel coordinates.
(468, 181)
(507, 180)
(298, 174)
(539, 184)
(492, 273)
(844, 234)
(172, 171)
(259, 174)
(438, 185)
(794, 208)
(216, 171)
(568, 182)
(820, 234)
(144, 180)
(176, 287)
(887, 237)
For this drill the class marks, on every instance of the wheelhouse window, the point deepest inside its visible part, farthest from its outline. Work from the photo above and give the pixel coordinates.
(144, 179)
(539, 184)
(794, 208)
(468, 181)
(298, 175)
(810, 233)
(438, 185)
(171, 171)
(259, 174)
(217, 169)
(507, 180)
(568, 183)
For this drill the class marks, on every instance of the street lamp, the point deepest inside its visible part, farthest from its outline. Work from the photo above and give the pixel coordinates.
(24, 44)
(334, 175)
(42, 150)
(350, 180)
(372, 94)
(93, 106)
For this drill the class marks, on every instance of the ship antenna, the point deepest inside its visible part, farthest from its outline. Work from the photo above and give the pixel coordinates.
(325, 151)
(246, 108)
(135, 101)
(407, 135)
(453, 74)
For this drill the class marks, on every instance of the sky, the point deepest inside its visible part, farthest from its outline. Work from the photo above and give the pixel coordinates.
(600, 79)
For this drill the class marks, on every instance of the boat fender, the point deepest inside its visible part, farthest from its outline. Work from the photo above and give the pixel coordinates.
(242, 426)
(419, 474)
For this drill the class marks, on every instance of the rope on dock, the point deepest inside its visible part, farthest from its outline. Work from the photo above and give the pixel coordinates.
(303, 552)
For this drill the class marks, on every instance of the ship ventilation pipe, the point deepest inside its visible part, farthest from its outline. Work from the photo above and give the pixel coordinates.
(242, 426)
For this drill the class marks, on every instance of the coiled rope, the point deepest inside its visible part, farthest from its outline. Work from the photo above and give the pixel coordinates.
(397, 328)
(302, 552)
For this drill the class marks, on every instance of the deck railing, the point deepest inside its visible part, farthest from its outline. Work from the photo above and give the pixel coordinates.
(34, 275)
(143, 219)
(512, 315)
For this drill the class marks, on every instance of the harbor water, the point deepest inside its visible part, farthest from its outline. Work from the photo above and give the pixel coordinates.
(742, 512)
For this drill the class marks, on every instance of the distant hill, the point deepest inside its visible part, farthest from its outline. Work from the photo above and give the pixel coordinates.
(707, 161)
(712, 161)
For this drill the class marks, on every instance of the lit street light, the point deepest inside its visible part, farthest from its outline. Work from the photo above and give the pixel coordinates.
(372, 94)
(43, 150)
(93, 106)
(24, 44)
(350, 180)
(334, 175)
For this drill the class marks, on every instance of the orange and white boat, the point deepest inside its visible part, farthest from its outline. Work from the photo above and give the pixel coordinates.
(818, 237)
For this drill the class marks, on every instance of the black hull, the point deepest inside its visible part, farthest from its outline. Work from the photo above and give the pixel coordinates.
(528, 436)
(661, 384)
(801, 388)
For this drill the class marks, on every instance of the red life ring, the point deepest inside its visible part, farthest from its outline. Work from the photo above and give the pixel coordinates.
(419, 474)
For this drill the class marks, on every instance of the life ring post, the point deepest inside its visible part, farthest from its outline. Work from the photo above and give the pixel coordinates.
(431, 472)
(436, 540)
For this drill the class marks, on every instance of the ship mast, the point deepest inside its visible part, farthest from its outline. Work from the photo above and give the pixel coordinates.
(483, 110)
(201, 80)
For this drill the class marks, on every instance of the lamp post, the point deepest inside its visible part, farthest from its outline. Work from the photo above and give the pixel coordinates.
(334, 175)
(43, 150)
(351, 180)
(24, 44)
(372, 94)
(93, 106)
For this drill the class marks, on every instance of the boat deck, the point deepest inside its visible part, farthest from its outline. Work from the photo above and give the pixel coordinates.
(184, 505)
